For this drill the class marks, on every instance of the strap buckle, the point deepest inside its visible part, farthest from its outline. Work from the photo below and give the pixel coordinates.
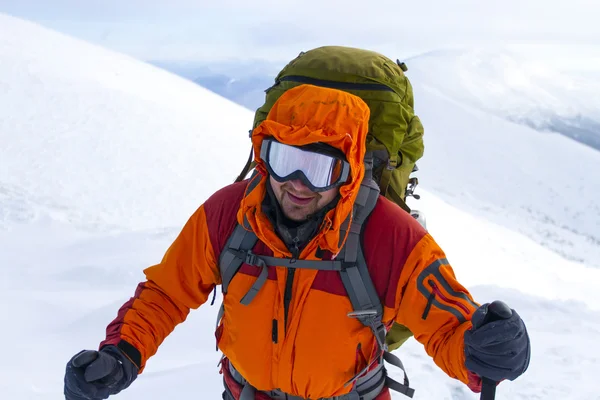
(380, 333)
(371, 319)
(251, 258)
(362, 313)
(254, 260)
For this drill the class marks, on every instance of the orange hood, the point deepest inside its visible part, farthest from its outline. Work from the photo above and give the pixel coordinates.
(303, 115)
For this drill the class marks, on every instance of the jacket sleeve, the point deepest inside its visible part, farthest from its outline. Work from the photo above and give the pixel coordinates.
(182, 281)
(436, 308)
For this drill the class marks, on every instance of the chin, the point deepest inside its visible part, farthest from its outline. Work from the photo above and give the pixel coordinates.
(297, 218)
(294, 216)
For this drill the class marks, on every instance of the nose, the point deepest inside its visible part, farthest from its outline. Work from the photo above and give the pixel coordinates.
(299, 186)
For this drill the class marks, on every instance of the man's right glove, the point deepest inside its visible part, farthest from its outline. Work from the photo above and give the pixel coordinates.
(497, 347)
(95, 375)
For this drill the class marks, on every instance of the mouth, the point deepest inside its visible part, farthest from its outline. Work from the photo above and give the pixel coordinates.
(299, 200)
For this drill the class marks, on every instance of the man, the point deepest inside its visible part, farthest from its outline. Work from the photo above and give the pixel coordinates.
(291, 337)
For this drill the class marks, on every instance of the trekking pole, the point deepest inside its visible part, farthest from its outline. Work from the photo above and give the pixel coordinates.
(497, 310)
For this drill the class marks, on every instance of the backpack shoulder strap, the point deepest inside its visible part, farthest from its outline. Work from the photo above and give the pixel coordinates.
(233, 254)
(355, 274)
(241, 239)
(359, 285)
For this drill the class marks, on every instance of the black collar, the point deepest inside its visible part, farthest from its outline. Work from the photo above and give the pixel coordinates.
(295, 234)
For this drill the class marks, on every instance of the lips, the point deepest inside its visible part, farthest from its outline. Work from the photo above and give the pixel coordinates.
(299, 200)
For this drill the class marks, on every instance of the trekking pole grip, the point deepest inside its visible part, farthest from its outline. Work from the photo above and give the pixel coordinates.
(497, 310)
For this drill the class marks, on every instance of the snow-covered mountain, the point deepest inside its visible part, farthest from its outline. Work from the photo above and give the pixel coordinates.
(103, 158)
(543, 185)
(526, 90)
(78, 124)
(246, 91)
(242, 82)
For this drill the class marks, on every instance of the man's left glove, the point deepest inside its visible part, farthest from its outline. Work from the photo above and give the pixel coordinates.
(497, 347)
(95, 375)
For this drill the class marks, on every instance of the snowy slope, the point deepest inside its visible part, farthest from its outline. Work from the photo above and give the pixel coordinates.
(115, 143)
(521, 85)
(543, 185)
(79, 123)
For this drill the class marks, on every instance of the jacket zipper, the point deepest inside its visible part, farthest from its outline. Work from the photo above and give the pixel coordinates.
(436, 291)
(287, 297)
(428, 306)
(334, 84)
(274, 331)
(289, 283)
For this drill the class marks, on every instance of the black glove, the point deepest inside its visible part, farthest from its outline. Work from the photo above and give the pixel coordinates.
(95, 375)
(497, 347)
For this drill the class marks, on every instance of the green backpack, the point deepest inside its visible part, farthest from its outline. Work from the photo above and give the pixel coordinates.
(395, 136)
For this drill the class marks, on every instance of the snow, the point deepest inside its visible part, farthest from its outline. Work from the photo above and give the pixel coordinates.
(503, 80)
(80, 124)
(541, 184)
(521, 83)
(103, 158)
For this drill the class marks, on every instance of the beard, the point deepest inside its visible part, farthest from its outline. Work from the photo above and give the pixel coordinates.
(298, 206)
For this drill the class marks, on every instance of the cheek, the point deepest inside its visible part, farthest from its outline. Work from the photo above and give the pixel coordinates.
(276, 186)
(328, 196)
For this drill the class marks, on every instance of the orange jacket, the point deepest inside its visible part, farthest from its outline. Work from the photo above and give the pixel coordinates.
(318, 349)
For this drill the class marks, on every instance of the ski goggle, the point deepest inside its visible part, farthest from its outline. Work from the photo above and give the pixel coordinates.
(318, 171)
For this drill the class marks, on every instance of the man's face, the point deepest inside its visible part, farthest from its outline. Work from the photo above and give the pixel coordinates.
(297, 201)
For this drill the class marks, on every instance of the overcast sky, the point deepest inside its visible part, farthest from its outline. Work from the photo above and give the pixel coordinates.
(197, 30)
